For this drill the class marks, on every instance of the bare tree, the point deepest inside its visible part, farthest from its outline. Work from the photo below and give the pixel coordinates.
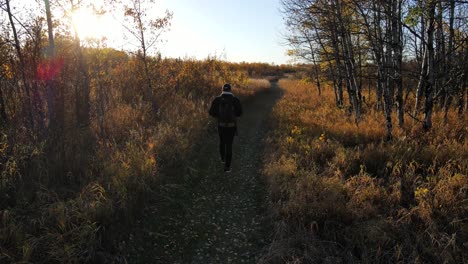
(344, 25)
(344, 32)
(147, 32)
(397, 49)
(430, 74)
(55, 104)
(312, 33)
(22, 67)
(450, 83)
(303, 47)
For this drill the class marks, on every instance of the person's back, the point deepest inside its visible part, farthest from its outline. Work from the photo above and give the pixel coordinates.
(226, 108)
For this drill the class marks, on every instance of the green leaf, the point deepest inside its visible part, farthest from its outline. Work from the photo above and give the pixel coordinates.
(412, 18)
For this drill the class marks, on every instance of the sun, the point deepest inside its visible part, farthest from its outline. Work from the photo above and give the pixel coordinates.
(89, 25)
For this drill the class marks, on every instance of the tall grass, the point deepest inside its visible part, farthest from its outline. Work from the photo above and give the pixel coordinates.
(341, 194)
(111, 172)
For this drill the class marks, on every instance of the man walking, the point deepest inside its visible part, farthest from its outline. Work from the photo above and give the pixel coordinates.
(226, 108)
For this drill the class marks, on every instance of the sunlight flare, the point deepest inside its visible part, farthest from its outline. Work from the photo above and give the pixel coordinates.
(90, 25)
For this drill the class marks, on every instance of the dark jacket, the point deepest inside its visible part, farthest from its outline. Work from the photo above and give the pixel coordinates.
(215, 105)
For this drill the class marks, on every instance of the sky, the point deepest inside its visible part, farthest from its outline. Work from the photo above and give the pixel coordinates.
(234, 30)
(242, 30)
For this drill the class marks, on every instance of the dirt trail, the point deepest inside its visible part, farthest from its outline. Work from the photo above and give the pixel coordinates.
(213, 217)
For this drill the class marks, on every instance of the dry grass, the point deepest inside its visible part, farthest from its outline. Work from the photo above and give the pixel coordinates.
(258, 84)
(112, 171)
(342, 194)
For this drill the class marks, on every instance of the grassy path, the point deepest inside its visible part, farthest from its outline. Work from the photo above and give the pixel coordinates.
(212, 217)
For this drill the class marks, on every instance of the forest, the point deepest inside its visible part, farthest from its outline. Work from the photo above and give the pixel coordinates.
(361, 159)
(367, 158)
(398, 47)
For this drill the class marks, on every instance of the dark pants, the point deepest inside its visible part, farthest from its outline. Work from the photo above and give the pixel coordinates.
(226, 136)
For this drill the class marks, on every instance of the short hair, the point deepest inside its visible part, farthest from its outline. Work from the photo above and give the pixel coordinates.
(227, 87)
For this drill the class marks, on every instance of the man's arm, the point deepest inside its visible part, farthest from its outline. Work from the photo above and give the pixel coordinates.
(213, 108)
(238, 107)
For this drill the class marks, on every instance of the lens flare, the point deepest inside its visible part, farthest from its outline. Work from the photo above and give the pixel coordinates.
(89, 25)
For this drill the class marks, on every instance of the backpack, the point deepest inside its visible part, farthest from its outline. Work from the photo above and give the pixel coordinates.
(226, 111)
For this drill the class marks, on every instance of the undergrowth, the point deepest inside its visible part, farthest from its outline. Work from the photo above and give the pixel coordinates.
(69, 201)
(341, 194)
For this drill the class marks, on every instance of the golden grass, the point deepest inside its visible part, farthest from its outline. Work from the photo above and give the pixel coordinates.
(70, 218)
(380, 202)
(258, 84)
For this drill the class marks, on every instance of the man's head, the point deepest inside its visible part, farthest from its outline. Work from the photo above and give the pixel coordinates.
(226, 87)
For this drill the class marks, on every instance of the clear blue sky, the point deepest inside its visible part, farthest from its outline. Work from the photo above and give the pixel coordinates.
(242, 30)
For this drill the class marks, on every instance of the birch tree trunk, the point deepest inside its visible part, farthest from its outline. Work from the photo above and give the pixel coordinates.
(317, 77)
(348, 61)
(359, 84)
(429, 87)
(423, 48)
(314, 62)
(440, 67)
(450, 66)
(398, 58)
(339, 72)
(421, 83)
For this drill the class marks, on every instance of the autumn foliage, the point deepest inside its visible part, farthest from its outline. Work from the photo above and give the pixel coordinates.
(342, 194)
(65, 193)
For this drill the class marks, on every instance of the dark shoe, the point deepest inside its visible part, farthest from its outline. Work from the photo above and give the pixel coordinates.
(227, 170)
